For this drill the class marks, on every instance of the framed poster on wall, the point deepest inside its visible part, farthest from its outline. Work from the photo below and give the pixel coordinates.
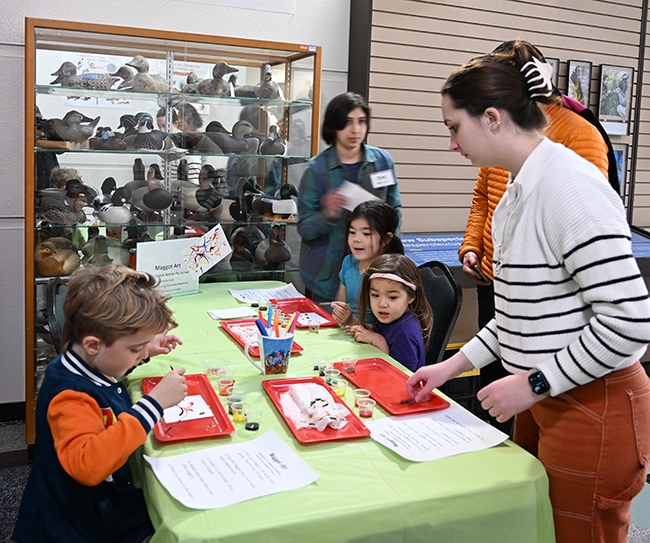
(615, 93)
(579, 81)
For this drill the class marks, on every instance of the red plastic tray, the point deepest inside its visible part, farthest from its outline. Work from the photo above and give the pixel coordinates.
(232, 328)
(353, 429)
(217, 425)
(387, 386)
(304, 305)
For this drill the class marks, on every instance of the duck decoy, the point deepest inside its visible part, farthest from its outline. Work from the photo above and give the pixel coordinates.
(191, 84)
(108, 207)
(102, 250)
(278, 251)
(217, 127)
(126, 75)
(107, 140)
(64, 214)
(207, 195)
(197, 142)
(147, 137)
(155, 196)
(67, 77)
(241, 91)
(145, 81)
(74, 126)
(139, 179)
(217, 86)
(274, 144)
(238, 143)
(128, 123)
(268, 89)
(53, 262)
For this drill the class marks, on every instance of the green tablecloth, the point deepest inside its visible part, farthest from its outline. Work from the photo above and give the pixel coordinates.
(365, 492)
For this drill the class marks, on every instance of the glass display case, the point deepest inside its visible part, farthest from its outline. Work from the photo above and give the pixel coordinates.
(136, 135)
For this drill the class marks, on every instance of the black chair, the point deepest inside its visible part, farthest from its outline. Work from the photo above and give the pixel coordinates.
(445, 297)
(54, 296)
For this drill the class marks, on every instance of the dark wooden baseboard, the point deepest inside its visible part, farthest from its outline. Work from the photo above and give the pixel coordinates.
(12, 412)
(13, 459)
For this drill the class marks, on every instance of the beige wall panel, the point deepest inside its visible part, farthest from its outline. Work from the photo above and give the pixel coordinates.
(417, 44)
(541, 8)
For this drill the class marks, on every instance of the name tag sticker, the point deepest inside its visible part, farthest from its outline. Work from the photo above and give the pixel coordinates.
(382, 179)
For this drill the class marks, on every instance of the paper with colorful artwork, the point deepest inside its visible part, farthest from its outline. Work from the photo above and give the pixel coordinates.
(191, 408)
(206, 251)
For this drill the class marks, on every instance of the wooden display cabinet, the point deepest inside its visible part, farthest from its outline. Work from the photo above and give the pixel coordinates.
(92, 52)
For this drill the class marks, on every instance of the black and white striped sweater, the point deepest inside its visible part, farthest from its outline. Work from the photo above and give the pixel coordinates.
(569, 297)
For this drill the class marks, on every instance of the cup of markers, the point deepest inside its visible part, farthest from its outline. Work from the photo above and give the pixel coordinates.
(274, 342)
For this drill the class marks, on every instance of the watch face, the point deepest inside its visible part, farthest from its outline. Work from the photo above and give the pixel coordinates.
(538, 383)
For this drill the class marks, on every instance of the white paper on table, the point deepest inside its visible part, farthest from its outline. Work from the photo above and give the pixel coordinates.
(206, 251)
(354, 195)
(435, 434)
(264, 295)
(189, 408)
(221, 476)
(305, 318)
(232, 313)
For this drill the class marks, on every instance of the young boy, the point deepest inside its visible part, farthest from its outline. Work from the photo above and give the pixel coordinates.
(80, 488)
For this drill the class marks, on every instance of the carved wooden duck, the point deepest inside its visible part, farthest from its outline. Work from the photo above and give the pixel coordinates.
(191, 84)
(127, 75)
(67, 77)
(267, 88)
(217, 86)
(52, 261)
(238, 143)
(274, 144)
(147, 137)
(143, 80)
(71, 128)
(63, 214)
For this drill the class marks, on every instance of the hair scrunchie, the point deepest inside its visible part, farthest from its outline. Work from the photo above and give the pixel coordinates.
(539, 76)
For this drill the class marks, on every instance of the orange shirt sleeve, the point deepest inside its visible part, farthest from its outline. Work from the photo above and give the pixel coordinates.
(87, 450)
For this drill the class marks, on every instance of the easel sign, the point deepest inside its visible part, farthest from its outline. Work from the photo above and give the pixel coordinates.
(164, 259)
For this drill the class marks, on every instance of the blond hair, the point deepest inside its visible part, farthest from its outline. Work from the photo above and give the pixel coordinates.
(113, 301)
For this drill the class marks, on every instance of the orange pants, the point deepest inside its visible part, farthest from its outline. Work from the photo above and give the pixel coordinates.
(594, 442)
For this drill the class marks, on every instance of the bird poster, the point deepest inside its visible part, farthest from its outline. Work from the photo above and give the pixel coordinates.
(206, 251)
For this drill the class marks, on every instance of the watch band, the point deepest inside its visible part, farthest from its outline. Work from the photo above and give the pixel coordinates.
(538, 383)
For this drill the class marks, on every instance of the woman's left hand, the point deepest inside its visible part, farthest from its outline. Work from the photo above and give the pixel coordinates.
(506, 397)
(163, 344)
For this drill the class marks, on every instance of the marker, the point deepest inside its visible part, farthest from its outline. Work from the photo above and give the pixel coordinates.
(289, 327)
(261, 328)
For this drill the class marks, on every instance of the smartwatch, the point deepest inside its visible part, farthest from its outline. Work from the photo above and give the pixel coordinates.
(538, 383)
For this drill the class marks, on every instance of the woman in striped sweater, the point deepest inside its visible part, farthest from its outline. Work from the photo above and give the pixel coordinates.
(572, 310)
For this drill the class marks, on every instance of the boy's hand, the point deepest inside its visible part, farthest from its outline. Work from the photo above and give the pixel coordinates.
(341, 312)
(171, 389)
(163, 344)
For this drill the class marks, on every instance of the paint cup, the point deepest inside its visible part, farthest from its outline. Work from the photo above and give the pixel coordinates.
(366, 407)
(238, 411)
(212, 366)
(348, 363)
(274, 353)
(360, 393)
(329, 374)
(339, 386)
(253, 417)
(314, 327)
(224, 383)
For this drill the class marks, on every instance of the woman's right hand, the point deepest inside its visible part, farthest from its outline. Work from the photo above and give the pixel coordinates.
(341, 312)
(171, 389)
(424, 380)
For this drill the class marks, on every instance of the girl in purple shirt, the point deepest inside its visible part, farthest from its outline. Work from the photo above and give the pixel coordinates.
(393, 290)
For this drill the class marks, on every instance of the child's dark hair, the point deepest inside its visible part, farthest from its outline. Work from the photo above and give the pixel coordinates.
(403, 267)
(111, 302)
(384, 219)
(336, 114)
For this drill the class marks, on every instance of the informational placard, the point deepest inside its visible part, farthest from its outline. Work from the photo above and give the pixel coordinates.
(436, 434)
(423, 248)
(220, 476)
(165, 260)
